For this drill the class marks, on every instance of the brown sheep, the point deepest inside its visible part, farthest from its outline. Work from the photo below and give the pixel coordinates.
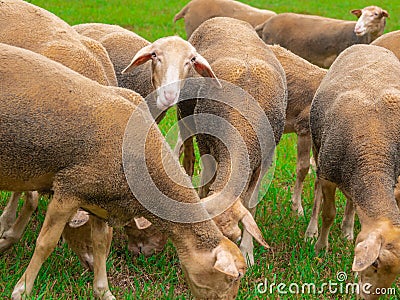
(303, 79)
(391, 41)
(355, 121)
(75, 128)
(198, 11)
(320, 40)
(28, 26)
(244, 60)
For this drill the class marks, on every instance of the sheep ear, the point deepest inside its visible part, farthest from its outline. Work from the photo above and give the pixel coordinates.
(225, 262)
(366, 252)
(356, 12)
(142, 223)
(251, 226)
(201, 65)
(142, 56)
(384, 13)
(80, 218)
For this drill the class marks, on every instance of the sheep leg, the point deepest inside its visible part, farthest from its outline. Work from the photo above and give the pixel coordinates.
(312, 229)
(303, 165)
(101, 244)
(8, 217)
(188, 156)
(59, 211)
(348, 220)
(13, 234)
(178, 149)
(208, 172)
(328, 213)
(246, 244)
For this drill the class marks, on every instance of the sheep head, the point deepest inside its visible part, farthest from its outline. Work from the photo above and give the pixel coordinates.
(371, 19)
(143, 237)
(377, 258)
(172, 58)
(214, 274)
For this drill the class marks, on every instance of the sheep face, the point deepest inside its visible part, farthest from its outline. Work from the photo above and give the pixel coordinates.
(215, 274)
(78, 235)
(377, 259)
(144, 238)
(172, 58)
(371, 20)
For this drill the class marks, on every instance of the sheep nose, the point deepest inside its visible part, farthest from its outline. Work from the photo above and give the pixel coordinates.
(170, 96)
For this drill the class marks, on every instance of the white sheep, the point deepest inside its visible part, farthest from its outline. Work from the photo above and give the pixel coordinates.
(76, 128)
(320, 40)
(28, 26)
(355, 124)
(197, 11)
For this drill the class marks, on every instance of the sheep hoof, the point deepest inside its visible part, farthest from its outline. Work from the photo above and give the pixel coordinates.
(105, 295)
(319, 246)
(6, 243)
(311, 232)
(348, 235)
(298, 209)
(18, 291)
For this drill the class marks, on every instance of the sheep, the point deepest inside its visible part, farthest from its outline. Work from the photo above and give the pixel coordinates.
(354, 122)
(391, 41)
(28, 26)
(144, 238)
(303, 79)
(77, 234)
(198, 11)
(320, 40)
(121, 45)
(244, 60)
(54, 38)
(75, 128)
(126, 48)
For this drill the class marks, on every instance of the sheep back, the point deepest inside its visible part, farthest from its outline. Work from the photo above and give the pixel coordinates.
(391, 41)
(28, 26)
(355, 120)
(317, 39)
(121, 45)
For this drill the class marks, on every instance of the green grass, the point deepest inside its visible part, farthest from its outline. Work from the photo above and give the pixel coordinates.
(291, 260)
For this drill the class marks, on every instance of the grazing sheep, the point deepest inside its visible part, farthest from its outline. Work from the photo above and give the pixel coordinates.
(303, 79)
(31, 27)
(198, 11)
(144, 238)
(78, 234)
(75, 128)
(245, 61)
(391, 41)
(320, 40)
(355, 125)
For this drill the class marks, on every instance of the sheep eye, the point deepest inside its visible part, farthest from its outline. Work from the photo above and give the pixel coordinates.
(375, 264)
(153, 55)
(193, 59)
